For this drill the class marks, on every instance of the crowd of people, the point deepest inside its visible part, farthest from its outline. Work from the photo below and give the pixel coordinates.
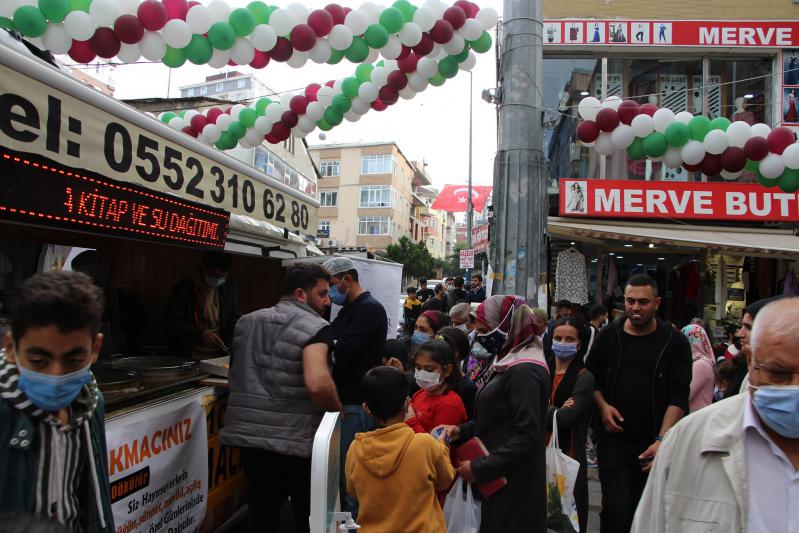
(688, 436)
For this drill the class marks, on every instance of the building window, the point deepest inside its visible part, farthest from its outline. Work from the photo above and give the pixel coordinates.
(240, 83)
(323, 229)
(377, 196)
(219, 87)
(328, 198)
(374, 225)
(378, 164)
(204, 89)
(190, 92)
(329, 169)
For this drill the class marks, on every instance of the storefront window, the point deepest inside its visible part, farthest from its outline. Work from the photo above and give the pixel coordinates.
(743, 89)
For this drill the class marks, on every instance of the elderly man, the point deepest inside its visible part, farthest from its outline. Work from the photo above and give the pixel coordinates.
(733, 466)
(462, 318)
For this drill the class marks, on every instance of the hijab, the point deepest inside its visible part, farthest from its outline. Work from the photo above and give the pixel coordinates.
(700, 344)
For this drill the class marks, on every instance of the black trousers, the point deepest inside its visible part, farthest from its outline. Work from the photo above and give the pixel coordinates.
(622, 482)
(271, 478)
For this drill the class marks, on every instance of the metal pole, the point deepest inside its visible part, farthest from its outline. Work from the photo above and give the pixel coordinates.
(520, 172)
(469, 205)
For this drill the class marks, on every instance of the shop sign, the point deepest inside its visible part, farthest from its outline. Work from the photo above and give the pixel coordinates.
(480, 238)
(158, 468)
(467, 258)
(699, 33)
(676, 200)
(36, 118)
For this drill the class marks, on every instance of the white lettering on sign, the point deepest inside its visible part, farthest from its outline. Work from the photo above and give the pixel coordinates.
(633, 201)
(743, 36)
(607, 200)
(703, 203)
(783, 198)
(656, 199)
(736, 203)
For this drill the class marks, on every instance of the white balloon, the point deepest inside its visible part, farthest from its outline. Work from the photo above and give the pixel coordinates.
(410, 34)
(177, 123)
(8, 7)
(693, 152)
(772, 166)
(244, 144)
(340, 37)
(273, 112)
(487, 17)
(379, 76)
(177, 33)
(282, 21)
(262, 125)
(368, 91)
(263, 37)
(298, 133)
(468, 63)
(200, 18)
(455, 45)
(622, 137)
(438, 52)
(298, 11)
(391, 64)
(716, 141)
(417, 82)
(791, 156)
(152, 45)
(212, 133)
(236, 110)
(352, 116)
(360, 106)
(372, 12)
(243, 52)
(738, 133)
(224, 121)
(642, 125)
(57, 40)
(684, 117)
(727, 175)
(604, 144)
(760, 130)
(662, 118)
(306, 124)
(80, 26)
(589, 107)
(297, 59)
(219, 58)
(672, 158)
(437, 7)
(129, 53)
(427, 67)
(337, 86)
(325, 96)
(612, 102)
(424, 18)
(471, 30)
(220, 10)
(321, 51)
(357, 21)
(372, 56)
(104, 12)
(285, 100)
(128, 7)
(253, 136)
(407, 93)
(392, 49)
(314, 111)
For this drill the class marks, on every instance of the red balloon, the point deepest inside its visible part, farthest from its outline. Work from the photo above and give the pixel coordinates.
(473, 9)
(214, 114)
(198, 122)
(81, 52)
(756, 148)
(408, 64)
(176, 9)
(188, 130)
(303, 37)
(298, 104)
(425, 46)
(271, 139)
(711, 165)
(311, 90)
(587, 131)
(397, 79)
(649, 109)
(152, 14)
(321, 21)
(607, 119)
(692, 168)
(733, 159)
(193, 3)
(105, 43)
(442, 32)
(628, 110)
(456, 16)
(260, 60)
(289, 119)
(280, 131)
(379, 105)
(282, 50)
(228, 109)
(467, 7)
(388, 95)
(406, 50)
(779, 139)
(331, 83)
(337, 12)
(128, 29)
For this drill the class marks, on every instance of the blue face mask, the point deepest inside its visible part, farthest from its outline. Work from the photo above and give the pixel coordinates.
(419, 337)
(564, 350)
(52, 393)
(336, 296)
(779, 408)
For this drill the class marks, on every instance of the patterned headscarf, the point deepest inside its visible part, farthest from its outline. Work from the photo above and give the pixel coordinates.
(700, 344)
(511, 315)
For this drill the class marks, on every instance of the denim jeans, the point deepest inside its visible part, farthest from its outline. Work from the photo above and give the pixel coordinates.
(354, 421)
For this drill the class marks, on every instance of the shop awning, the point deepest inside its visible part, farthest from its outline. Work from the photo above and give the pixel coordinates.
(252, 236)
(748, 241)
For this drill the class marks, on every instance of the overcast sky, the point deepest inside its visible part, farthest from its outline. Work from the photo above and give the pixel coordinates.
(433, 126)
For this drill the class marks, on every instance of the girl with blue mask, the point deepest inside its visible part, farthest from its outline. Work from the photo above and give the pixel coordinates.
(427, 325)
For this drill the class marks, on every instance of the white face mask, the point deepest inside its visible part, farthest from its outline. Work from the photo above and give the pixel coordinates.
(427, 380)
(463, 328)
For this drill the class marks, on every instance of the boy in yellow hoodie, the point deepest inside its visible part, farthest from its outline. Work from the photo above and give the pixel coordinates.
(393, 471)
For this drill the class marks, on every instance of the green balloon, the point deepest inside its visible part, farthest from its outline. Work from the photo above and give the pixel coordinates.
(481, 45)
(358, 51)
(720, 123)
(406, 8)
(242, 21)
(765, 182)
(349, 86)
(174, 57)
(636, 150)
(789, 181)
(54, 10)
(237, 130)
(677, 134)
(182, 114)
(166, 117)
(323, 125)
(381, 63)
(392, 19)
(698, 127)
(29, 21)
(751, 165)
(461, 57)
(333, 116)
(364, 72)
(437, 80)
(247, 117)
(79, 5)
(448, 67)
(335, 57)
(6, 23)
(199, 50)
(260, 11)
(341, 103)
(376, 36)
(222, 35)
(655, 144)
(227, 141)
(260, 105)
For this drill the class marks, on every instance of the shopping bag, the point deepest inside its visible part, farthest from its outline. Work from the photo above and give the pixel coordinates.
(561, 476)
(461, 509)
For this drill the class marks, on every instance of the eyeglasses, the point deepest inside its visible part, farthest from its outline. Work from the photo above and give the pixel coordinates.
(775, 374)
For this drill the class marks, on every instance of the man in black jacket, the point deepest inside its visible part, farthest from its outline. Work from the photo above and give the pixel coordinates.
(642, 369)
(359, 334)
(457, 295)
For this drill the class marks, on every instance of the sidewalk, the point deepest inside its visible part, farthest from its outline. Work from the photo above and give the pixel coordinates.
(594, 500)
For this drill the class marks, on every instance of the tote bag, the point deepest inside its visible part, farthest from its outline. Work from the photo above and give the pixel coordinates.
(561, 477)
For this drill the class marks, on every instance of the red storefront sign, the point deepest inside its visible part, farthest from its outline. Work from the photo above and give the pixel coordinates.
(676, 200)
(699, 33)
(480, 238)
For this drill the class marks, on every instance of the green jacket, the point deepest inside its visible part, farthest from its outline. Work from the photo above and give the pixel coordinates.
(20, 454)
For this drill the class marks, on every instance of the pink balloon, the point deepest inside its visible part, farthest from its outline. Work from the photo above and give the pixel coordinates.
(298, 104)
(303, 37)
(153, 15)
(337, 12)
(321, 21)
(198, 122)
(442, 32)
(779, 139)
(260, 60)
(82, 52)
(398, 80)
(456, 16)
(311, 90)
(129, 29)
(104, 42)
(176, 9)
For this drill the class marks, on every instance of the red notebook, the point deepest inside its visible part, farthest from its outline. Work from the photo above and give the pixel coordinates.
(471, 450)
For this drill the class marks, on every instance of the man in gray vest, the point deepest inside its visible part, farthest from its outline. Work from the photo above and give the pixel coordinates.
(280, 387)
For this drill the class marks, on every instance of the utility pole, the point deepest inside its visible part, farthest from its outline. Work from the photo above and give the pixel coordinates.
(520, 174)
(469, 205)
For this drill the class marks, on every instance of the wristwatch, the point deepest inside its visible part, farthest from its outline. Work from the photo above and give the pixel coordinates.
(659, 437)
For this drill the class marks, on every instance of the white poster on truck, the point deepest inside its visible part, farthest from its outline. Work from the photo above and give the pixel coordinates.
(158, 466)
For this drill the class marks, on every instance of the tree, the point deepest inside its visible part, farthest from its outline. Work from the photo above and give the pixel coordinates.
(452, 267)
(414, 256)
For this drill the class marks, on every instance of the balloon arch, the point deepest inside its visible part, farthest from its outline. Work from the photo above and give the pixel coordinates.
(420, 46)
(714, 147)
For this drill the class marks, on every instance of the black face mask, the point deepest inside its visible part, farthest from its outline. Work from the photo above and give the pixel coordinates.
(492, 342)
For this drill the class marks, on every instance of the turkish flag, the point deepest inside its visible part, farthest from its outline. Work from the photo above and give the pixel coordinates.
(454, 198)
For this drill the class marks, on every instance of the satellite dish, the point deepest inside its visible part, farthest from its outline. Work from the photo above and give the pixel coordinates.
(322, 136)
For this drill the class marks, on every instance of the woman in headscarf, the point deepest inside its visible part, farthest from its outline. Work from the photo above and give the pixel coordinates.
(702, 378)
(510, 417)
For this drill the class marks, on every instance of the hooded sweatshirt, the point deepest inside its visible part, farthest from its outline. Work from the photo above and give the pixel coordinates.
(395, 474)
